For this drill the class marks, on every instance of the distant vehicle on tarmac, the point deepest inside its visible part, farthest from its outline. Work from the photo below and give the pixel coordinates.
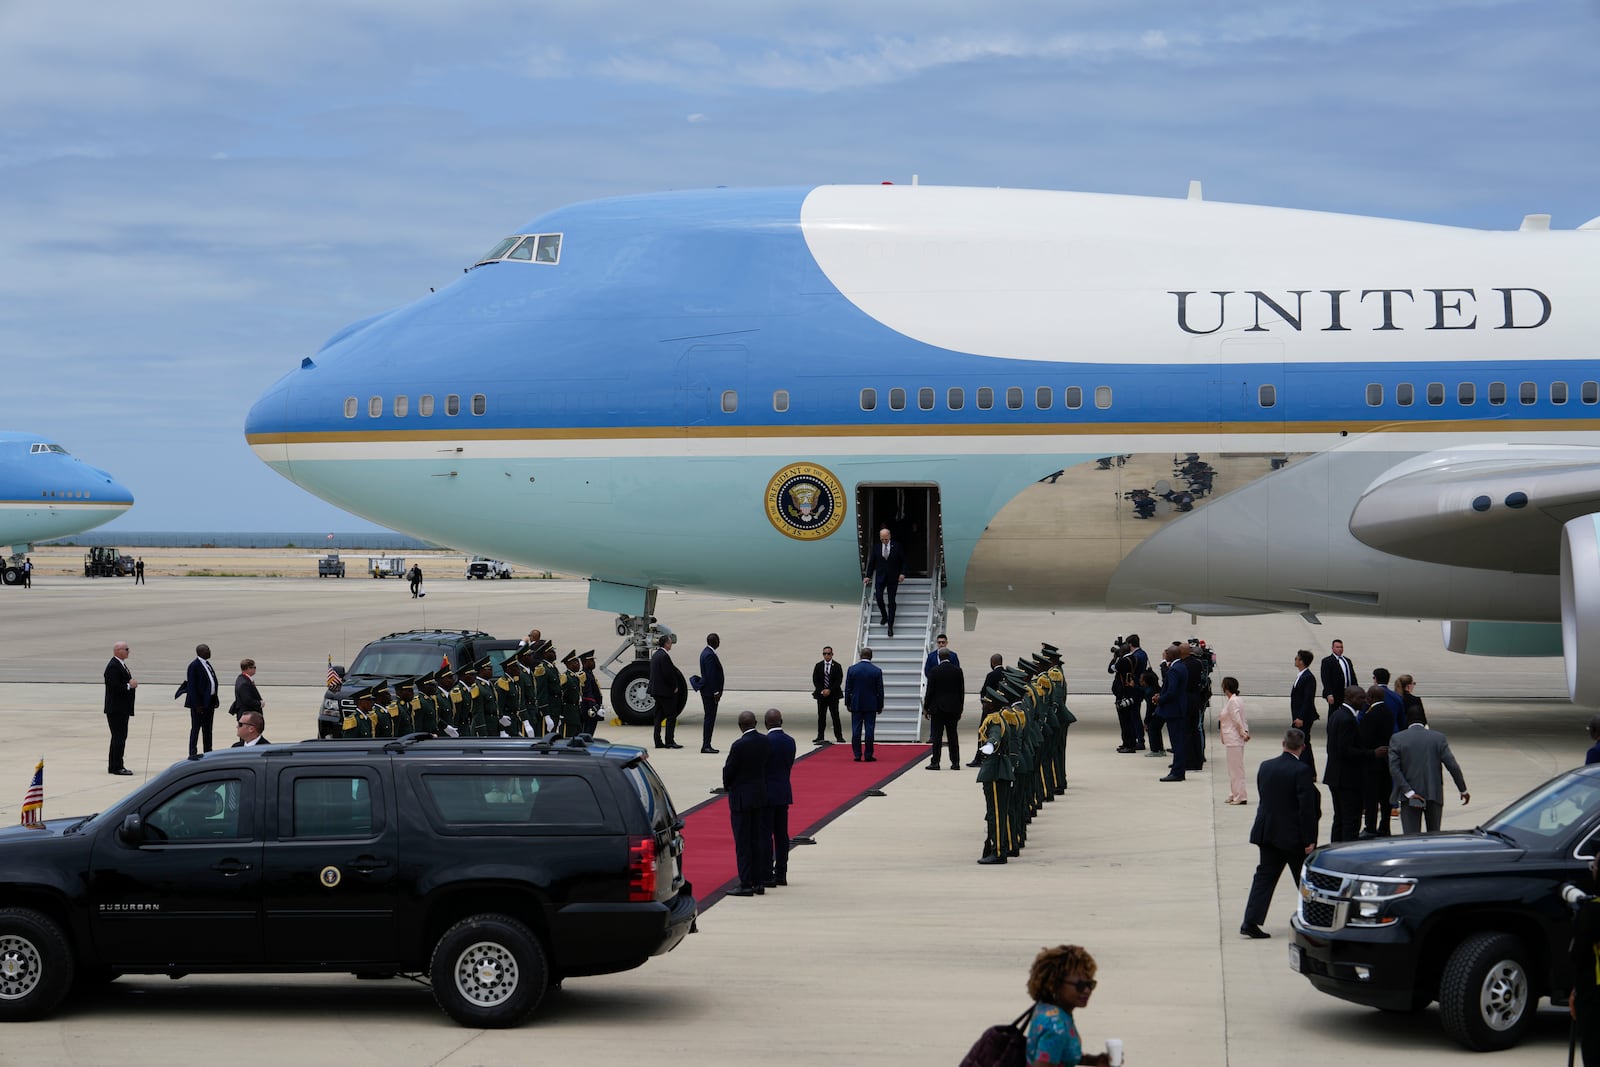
(484, 567)
(330, 566)
(399, 656)
(101, 562)
(386, 566)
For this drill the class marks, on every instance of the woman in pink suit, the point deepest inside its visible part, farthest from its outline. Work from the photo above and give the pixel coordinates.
(1235, 732)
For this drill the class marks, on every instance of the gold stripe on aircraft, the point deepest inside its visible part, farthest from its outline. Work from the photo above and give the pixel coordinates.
(637, 433)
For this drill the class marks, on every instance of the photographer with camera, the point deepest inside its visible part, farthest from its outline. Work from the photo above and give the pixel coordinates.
(1584, 1007)
(1127, 667)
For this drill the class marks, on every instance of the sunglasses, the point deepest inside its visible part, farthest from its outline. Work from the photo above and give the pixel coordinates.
(1085, 985)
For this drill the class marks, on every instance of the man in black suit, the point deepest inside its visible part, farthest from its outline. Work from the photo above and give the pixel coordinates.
(199, 692)
(780, 794)
(1285, 829)
(1171, 709)
(1346, 765)
(1303, 705)
(886, 569)
(1338, 674)
(120, 686)
(942, 704)
(827, 681)
(249, 729)
(669, 690)
(246, 697)
(711, 682)
(744, 776)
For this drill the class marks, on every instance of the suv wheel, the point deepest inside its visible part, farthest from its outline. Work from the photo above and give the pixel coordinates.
(1485, 1000)
(630, 694)
(489, 971)
(35, 965)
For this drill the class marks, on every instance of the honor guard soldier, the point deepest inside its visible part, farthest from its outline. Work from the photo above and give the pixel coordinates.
(546, 694)
(531, 726)
(572, 696)
(1016, 821)
(994, 775)
(383, 711)
(593, 704)
(508, 697)
(482, 716)
(425, 709)
(455, 707)
(406, 705)
(358, 723)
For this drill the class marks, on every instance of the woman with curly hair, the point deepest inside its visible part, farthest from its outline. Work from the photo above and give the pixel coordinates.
(1060, 980)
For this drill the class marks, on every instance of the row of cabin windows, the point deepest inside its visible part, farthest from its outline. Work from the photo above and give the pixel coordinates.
(402, 406)
(1467, 393)
(955, 398)
(63, 494)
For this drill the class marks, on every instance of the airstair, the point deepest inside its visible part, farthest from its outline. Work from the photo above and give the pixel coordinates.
(919, 618)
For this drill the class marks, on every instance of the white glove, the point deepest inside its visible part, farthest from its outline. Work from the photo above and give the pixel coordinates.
(527, 729)
(505, 720)
(504, 734)
(987, 750)
(549, 724)
(452, 731)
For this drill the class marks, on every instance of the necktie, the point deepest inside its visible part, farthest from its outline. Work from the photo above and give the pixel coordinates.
(885, 551)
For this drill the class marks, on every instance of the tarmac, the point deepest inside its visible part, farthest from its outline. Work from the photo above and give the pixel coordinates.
(889, 945)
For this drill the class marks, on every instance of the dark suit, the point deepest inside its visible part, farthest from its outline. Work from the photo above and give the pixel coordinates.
(1303, 706)
(200, 697)
(827, 674)
(1286, 822)
(118, 709)
(886, 570)
(863, 695)
(1374, 728)
(262, 741)
(780, 794)
(711, 682)
(1334, 679)
(1415, 757)
(1343, 772)
(933, 660)
(670, 691)
(744, 776)
(943, 701)
(246, 697)
(1171, 704)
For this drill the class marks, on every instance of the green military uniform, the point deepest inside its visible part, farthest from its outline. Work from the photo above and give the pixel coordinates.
(995, 776)
(508, 698)
(359, 723)
(406, 705)
(530, 706)
(1016, 803)
(383, 712)
(571, 697)
(460, 710)
(425, 709)
(479, 704)
(545, 694)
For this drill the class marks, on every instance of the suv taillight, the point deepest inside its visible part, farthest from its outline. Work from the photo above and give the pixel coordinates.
(642, 869)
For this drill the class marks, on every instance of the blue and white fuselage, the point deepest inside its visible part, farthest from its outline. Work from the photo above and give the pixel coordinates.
(1116, 401)
(45, 492)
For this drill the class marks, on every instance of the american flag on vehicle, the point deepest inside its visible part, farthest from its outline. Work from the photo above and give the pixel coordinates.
(33, 802)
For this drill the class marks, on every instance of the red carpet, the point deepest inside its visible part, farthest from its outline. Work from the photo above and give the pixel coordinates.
(827, 783)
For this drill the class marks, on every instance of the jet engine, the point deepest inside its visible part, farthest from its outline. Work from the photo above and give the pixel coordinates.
(1580, 608)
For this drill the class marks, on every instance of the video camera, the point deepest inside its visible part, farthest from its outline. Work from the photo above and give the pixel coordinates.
(1118, 645)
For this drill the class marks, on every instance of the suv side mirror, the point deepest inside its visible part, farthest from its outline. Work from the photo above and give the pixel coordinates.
(131, 832)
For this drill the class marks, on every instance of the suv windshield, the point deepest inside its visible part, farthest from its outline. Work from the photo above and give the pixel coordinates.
(1548, 812)
(399, 660)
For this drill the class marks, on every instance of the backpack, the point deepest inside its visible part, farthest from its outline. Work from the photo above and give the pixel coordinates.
(1002, 1045)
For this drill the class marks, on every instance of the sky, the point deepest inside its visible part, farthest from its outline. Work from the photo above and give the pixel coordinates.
(195, 195)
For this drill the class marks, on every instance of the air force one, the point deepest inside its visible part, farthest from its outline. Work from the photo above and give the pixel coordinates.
(1054, 399)
(45, 492)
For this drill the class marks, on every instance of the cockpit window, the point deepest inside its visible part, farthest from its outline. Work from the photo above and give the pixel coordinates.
(529, 248)
(41, 447)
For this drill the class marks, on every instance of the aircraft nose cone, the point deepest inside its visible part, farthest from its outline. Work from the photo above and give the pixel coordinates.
(265, 426)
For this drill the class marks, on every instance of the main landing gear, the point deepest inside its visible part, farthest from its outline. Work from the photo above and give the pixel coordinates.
(631, 701)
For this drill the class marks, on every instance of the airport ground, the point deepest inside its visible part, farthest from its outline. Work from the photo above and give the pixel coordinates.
(889, 946)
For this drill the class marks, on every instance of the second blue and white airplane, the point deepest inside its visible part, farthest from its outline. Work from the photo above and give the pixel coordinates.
(45, 493)
(1055, 399)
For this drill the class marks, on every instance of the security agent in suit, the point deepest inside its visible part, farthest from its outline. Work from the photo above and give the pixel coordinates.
(886, 569)
(120, 686)
(1171, 709)
(1415, 756)
(1375, 726)
(670, 692)
(1285, 829)
(711, 683)
(827, 682)
(199, 692)
(1346, 765)
(1303, 705)
(246, 697)
(744, 776)
(1584, 1005)
(942, 704)
(863, 696)
(941, 644)
(1338, 674)
(249, 728)
(780, 794)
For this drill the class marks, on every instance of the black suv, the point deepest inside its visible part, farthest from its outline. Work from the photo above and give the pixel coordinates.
(404, 655)
(497, 867)
(1473, 920)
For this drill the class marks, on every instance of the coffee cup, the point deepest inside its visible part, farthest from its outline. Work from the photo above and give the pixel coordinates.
(1114, 1051)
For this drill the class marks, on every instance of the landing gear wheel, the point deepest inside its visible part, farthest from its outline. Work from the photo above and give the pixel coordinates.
(1485, 1000)
(630, 695)
(12, 576)
(489, 971)
(36, 965)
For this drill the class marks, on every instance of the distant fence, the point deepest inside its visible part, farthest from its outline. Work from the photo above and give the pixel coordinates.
(381, 540)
